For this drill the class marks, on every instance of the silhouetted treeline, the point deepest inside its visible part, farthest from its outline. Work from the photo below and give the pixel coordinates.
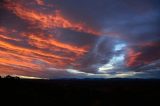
(80, 92)
(9, 77)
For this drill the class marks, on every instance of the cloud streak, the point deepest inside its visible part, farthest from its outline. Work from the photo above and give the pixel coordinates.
(79, 39)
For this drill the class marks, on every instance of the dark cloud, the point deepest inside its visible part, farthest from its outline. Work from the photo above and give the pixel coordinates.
(100, 54)
(77, 38)
(11, 21)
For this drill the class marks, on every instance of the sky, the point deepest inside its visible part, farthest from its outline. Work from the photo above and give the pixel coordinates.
(80, 38)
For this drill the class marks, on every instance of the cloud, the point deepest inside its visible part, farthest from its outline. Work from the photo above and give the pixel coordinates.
(54, 73)
(58, 38)
(47, 20)
(143, 53)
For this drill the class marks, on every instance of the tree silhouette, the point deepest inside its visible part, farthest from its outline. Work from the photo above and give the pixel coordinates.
(11, 77)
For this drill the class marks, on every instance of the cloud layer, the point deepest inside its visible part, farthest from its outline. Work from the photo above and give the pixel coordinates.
(79, 39)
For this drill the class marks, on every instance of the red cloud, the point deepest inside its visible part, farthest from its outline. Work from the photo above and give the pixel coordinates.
(143, 53)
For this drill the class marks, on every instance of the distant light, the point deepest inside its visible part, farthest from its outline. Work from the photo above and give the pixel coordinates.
(119, 47)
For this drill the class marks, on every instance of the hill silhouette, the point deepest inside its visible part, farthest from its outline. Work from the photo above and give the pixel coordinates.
(83, 92)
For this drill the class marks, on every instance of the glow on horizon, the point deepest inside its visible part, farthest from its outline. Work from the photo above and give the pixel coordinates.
(28, 77)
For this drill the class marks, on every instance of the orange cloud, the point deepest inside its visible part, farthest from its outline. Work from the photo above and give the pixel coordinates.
(55, 20)
(18, 53)
(8, 38)
(9, 70)
(4, 32)
(44, 42)
(21, 50)
(38, 51)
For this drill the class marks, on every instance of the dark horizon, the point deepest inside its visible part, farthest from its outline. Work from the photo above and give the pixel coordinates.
(106, 92)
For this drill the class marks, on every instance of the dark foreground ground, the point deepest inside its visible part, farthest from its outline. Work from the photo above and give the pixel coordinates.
(87, 92)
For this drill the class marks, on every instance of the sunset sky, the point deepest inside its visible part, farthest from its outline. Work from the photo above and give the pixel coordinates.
(80, 38)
